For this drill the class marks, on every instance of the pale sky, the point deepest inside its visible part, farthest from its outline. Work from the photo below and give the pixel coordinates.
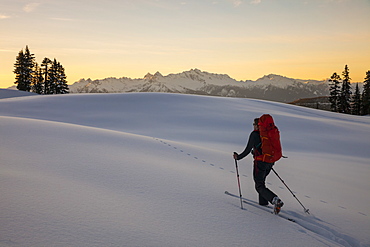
(246, 39)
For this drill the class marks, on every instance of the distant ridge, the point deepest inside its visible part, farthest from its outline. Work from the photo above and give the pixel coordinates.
(321, 102)
(269, 87)
(10, 93)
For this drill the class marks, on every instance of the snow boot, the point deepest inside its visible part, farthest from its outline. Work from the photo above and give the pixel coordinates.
(277, 204)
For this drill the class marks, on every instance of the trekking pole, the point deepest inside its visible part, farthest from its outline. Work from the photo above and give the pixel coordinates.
(240, 191)
(305, 209)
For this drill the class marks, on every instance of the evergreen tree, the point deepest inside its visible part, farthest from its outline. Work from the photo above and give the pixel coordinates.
(53, 76)
(19, 71)
(334, 92)
(57, 78)
(356, 102)
(366, 95)
(345, 94)
(45, 65)
(49, 78)
(61, 82)
(25, 61)
(38, 80)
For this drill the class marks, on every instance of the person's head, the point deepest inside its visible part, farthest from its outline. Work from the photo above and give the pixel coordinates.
(255, 123)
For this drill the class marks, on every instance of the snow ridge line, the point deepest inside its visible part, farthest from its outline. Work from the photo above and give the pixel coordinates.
(166, 142)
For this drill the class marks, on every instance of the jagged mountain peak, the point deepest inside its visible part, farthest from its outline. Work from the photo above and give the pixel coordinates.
(196, 70)
(274, 77)
(148, 76)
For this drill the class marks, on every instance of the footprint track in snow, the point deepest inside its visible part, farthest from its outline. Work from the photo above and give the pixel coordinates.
(223, 169)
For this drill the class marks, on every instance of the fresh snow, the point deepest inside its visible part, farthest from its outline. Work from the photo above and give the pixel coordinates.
(151, 169)
(10, 93)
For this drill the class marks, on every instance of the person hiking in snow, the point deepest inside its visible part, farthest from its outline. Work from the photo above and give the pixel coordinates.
(261, 169)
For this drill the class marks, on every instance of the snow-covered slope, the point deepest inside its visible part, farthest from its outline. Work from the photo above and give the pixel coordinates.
(10, 93)
(150, 169)
(195, 81)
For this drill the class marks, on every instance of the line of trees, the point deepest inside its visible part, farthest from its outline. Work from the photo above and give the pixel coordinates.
(47, 78)
(341, 98)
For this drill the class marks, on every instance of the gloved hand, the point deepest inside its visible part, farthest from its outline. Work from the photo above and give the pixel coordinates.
(235, 155)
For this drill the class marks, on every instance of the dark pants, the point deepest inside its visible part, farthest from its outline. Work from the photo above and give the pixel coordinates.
(260, 171)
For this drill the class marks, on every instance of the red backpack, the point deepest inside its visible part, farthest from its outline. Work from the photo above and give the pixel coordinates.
(270, 137)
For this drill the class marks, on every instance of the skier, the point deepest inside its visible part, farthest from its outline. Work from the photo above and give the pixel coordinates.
(260, 170)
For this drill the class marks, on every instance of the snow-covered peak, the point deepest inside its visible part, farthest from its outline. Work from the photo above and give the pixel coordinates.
(276, 77)
(275, 80)
(148, 76)
(153, 78)
(283, 81)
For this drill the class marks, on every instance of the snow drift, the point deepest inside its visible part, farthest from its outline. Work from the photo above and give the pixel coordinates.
(10, 93)
(150, 169)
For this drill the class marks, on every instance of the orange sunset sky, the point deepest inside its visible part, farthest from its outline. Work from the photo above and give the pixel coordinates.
(246, 39)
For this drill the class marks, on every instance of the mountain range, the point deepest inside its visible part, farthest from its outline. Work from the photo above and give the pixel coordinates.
(269, 87)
